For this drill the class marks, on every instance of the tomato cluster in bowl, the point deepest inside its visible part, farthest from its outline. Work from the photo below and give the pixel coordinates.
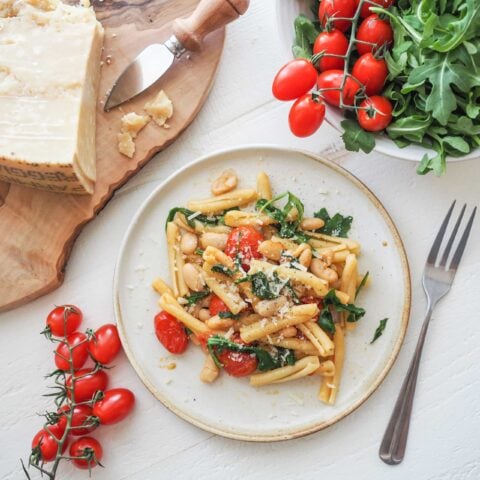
(347, 69)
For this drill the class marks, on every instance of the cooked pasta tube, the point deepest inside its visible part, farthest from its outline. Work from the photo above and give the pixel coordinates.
(326, 368)
(228, 292)
(318, 337)
(264, 187)
(175, 260)
(201, 228)
(352, 245)
(330, 385)
(349, 277)
(181, 222)
(296, 344)
(161, 287)
(287, 244)
(296, 315)
(360, 278)
(236, 198)
(168, 303)
(302, 368)
(209, 371)
(249, 318)
(238, 218)
(214, 255)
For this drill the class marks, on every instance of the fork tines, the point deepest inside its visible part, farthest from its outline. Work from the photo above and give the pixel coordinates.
(433, 256)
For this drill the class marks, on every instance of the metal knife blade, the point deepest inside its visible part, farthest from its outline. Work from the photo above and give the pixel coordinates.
(144, 71)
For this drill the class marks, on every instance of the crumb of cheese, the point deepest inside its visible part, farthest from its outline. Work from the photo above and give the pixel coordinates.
(126, 145)
(160, 109)
(131, 124)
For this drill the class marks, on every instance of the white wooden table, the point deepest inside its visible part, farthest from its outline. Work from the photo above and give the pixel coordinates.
(155, 444)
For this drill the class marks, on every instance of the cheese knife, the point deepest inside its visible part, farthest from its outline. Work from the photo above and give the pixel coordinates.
(188, 34)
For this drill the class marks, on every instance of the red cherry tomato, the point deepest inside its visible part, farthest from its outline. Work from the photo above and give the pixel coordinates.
(244, 242)
(365, 12)
(170, 333)
(115, 405)
(64, 320)
(80, 416)
(371, 72)
(376, 31)
(76, 341)
(337, 8)
(47, 444)
(217, 305)
(333, 42)
(294, 79)
(379, 115)
(306, 115)
(105, 345)
(237, 364)
(334, 79)
(86, 447)
(85, 387)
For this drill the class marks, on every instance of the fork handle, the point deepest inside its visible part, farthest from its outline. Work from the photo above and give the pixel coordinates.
(394, 442)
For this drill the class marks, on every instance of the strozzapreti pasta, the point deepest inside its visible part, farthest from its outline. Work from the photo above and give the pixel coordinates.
(266, 292)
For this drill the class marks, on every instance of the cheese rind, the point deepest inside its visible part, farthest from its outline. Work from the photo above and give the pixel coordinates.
(49, 75)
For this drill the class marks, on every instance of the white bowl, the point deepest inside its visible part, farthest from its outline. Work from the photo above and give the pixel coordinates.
(286, 11)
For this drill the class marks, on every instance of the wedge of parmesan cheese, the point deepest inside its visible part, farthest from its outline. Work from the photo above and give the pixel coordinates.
(160, 109)
(49, 74)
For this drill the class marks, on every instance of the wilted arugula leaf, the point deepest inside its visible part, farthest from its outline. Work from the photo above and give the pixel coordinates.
(196, 296)
(355, 138)
(219, 268)
(337, 226)
(379, 330)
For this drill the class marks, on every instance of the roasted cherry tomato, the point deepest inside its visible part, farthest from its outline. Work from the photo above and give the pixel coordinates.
(337, 8)
(105, 344)
(115, 405)
(170, 333)
(217, 305)
(306, 115)
(78, 342)
(237, 364)
(244, 242)
(334, 79)
(333, 43)
(46, 442)
(365, 12)
(371, 72)
(64, 320)
(374, 31)
(80, 417)
(85, 387)
(86, 447)
(294, 79)
(378, 116)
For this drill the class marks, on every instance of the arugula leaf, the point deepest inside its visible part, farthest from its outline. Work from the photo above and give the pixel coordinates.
(219, 268)
(228, 315)
(337, 226)
(275, 357)
(261, 286)
(305, 36)
(379, 330)
(196, 296)
(355, 138)
(199, 251)
(362, 284)
(331, 301)
(191, 221)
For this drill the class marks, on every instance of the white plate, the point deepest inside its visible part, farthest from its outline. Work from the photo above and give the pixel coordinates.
(286, 11)
(230, 407)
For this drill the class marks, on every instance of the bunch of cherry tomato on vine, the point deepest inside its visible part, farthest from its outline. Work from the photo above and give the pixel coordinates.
(349, 26)
(88, 402)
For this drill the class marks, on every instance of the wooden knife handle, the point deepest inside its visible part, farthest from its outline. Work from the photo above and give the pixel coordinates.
(208, 16)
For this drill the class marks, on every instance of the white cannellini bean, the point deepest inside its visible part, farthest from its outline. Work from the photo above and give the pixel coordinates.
(329, 275)
(204, 314)
(217, 240)
(226, 182)
(268, 308)
(312, 223)
(288, 332)
(305, 257)
(317, 266)
(270, 249)
(192, 277)
(188, 243)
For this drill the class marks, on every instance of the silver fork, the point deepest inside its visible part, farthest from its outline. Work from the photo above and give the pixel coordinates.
(437, 279)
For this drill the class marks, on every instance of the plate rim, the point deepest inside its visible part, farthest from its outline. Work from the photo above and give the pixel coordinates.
(390, 360)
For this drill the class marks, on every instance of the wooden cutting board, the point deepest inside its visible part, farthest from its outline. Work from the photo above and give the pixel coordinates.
(39, 228)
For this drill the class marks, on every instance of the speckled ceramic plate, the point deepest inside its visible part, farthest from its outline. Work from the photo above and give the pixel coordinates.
(230, 407)
(287, 10)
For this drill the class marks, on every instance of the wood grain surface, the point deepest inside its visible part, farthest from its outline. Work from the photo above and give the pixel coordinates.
(39, 228)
